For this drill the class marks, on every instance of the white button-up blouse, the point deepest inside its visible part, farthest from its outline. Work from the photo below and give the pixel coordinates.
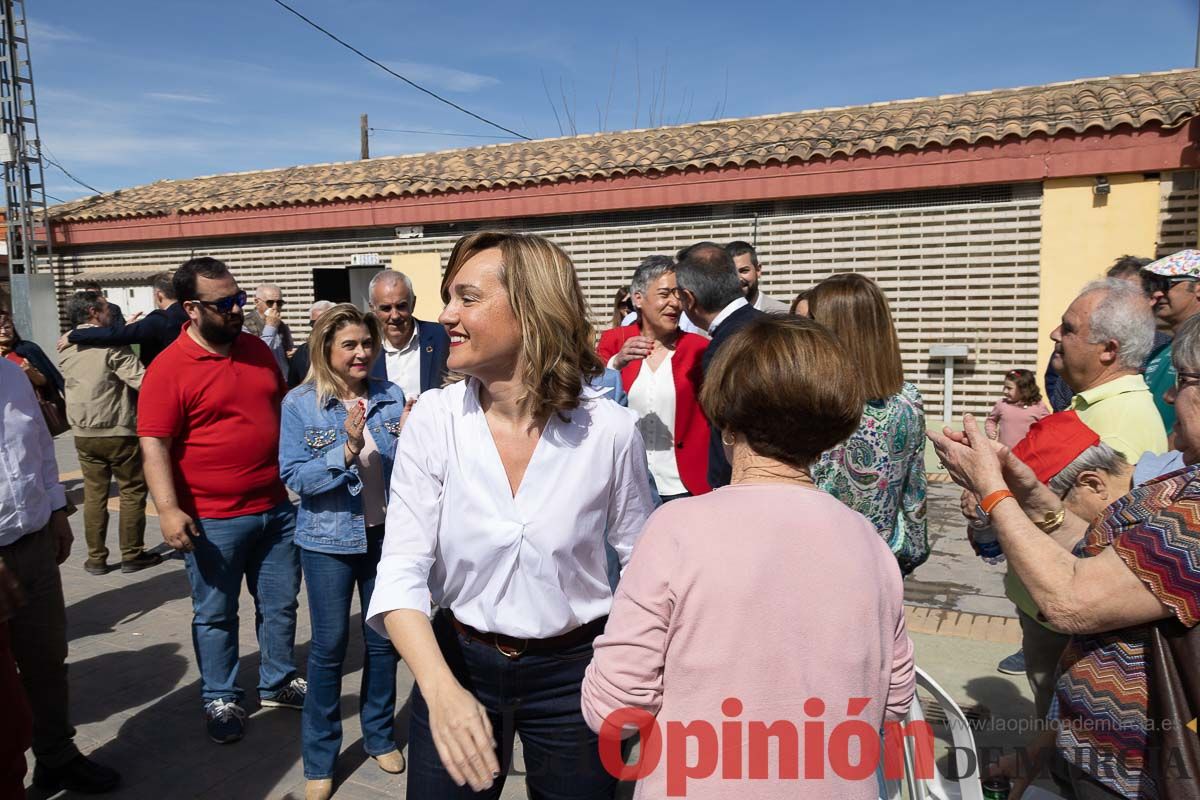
(530, 566)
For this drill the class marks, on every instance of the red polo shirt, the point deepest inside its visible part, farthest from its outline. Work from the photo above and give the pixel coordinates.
(222, 416)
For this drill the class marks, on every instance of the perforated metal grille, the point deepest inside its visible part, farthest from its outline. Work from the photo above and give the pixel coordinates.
(957, 265)
(1179, 210)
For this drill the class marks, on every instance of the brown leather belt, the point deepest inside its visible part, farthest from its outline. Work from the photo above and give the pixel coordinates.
(513, 647)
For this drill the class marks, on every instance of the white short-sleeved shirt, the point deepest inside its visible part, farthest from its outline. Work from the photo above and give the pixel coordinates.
(530, 566)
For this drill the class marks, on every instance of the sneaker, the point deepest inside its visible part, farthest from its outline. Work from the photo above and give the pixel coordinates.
(1014, 664)
(97, 567)
(78, 775)
(140, 562)
(290, 696)
(226, 721)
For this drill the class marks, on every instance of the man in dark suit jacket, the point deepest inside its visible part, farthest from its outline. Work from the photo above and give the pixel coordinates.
(152, 333)
(407, 341)
(711, 294)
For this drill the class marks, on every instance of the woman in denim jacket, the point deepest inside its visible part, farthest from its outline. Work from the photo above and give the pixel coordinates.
(336, 448)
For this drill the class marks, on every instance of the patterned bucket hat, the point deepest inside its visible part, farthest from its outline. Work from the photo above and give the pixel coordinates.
(1184, 264)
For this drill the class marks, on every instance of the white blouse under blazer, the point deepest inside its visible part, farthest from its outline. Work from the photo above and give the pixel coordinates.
(530, 566)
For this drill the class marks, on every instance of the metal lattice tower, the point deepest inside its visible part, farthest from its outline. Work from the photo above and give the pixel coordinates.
(24, 173)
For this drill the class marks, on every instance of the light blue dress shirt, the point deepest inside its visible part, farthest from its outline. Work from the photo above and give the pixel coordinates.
(29, 485)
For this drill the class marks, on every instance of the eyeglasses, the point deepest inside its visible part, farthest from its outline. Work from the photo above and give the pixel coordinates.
(226, 304)
(1153, 282)
(1186, 379)
(387, 309)
(274, 303)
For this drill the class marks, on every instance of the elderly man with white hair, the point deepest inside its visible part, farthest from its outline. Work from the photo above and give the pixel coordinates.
(299, 362)
(266, 322)
(414, 352)
(1099, 348)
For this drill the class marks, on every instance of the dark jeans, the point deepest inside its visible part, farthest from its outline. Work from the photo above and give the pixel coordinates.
(330, 580)
(259, 548)
(38, 631)
(535, 696)
(102, 458)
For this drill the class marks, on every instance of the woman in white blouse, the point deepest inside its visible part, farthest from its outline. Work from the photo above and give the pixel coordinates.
(505, 488)
(661, 371)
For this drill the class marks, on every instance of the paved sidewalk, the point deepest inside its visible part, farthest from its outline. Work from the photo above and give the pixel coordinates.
(135, 688)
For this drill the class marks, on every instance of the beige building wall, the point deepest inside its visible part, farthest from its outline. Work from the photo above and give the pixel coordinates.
(425, 272)
(1083, 233)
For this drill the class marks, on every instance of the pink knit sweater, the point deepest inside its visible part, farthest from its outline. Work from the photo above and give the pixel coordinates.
(768, 593)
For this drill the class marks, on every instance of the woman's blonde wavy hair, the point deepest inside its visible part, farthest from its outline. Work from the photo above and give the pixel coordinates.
(320, 343)
(557, 355)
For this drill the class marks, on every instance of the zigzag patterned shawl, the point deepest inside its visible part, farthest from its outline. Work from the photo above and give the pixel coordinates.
(1100, 702)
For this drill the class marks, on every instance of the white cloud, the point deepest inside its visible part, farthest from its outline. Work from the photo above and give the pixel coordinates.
(446, 79)
(178, 97)
(45, 33)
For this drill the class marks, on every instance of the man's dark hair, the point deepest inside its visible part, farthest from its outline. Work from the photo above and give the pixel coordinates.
(165, 282)
(1127, 266)
(89, 286)
(740, 248)
(706, 270)
(201, 267)
(81, 305)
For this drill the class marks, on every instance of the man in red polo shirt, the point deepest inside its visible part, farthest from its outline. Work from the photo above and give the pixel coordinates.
(208, 420)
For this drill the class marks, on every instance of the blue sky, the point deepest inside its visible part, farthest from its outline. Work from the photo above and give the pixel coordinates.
(133, 91)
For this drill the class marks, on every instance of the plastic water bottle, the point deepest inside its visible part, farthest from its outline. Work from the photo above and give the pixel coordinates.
(986, 541)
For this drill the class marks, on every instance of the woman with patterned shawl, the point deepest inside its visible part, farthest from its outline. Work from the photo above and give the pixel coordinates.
(880, 470)
(1116, 586)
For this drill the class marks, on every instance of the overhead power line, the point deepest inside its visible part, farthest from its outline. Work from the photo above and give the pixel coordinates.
(64, 171)
(395, 74)
(440, 133)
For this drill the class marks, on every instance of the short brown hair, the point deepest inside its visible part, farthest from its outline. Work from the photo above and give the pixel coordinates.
(787, 386)
(544, 292)
(855, 311)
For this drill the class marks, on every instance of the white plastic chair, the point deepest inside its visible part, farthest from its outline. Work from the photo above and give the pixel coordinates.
(967, 765)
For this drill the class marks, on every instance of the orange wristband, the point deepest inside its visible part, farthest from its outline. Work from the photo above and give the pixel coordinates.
(993, 500)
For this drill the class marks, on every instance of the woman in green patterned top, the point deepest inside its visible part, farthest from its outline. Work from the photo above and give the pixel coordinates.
(880, 470)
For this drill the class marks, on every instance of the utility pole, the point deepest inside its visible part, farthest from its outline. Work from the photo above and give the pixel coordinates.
(1198, 36)
(24, 178)
(364, 146)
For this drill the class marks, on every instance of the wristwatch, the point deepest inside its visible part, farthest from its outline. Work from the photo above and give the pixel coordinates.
(1051, 520)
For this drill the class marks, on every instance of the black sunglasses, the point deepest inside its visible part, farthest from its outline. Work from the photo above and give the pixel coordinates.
(1153, 282)
(226, 304)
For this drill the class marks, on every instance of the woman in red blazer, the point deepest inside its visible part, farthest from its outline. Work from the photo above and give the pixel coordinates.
(660, 370)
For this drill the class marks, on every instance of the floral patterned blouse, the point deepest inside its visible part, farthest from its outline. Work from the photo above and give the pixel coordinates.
(880, 473)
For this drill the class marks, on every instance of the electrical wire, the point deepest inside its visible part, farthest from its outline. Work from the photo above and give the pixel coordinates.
(66, 172)
(440, 133)
(393, 73)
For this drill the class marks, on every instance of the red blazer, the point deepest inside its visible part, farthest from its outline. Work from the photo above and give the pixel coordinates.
(691, 427)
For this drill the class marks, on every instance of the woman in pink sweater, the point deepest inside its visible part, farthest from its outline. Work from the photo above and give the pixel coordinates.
(764, 609)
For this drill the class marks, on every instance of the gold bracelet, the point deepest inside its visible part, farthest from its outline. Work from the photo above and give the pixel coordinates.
(1052, 520)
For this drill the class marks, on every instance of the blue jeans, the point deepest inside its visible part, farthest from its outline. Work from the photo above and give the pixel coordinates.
(534, 695)
(258, 547)
(331, 580)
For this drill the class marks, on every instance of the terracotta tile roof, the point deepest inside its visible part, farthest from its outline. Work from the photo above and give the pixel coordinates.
(1099, 103)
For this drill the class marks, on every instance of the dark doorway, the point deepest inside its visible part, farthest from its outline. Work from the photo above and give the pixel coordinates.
(332, 285)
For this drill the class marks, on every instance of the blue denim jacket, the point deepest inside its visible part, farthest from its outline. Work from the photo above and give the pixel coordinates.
(313, 465)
